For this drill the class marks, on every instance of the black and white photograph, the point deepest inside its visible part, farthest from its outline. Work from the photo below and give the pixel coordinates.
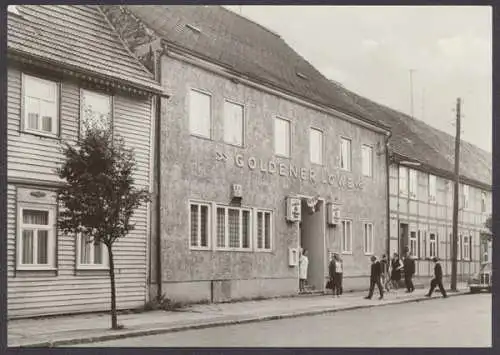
(304, 176)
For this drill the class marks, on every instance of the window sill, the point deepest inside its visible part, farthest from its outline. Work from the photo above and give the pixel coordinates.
(35, 268)
(282, 156)
(347, 253)
(368, 254)
(263, 250)
(41, 134)
(92, 268)
(250, 250)
(321, 165)
(200, 136)
(200, 248)
(346, 170)
(241, 146)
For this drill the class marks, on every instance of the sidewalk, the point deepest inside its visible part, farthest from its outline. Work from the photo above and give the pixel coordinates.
(81, 329)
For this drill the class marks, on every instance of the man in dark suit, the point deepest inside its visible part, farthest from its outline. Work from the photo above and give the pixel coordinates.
(438, 279)
(409, 270)
(375, 274)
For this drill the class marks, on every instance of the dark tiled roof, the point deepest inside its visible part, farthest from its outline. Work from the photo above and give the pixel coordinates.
(417, 140)
(246, 47)
(78, 36)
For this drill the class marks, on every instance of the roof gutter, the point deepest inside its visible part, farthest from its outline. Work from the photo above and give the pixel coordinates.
(400, 158)
(196, 59)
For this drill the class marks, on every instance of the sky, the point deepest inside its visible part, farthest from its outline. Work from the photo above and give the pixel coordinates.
(372, 49)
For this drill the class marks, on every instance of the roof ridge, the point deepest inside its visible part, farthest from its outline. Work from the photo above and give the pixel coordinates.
(124, 45)
(414, 118)
(248, 20)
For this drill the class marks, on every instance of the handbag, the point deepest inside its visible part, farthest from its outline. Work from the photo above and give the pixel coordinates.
(328, 285)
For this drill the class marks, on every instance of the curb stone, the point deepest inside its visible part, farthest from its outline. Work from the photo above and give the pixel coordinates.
(220, 322)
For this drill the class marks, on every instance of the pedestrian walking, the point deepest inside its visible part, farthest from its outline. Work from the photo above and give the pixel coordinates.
(375, 274)
(438, 279)
(303, 266)
(396, 268)
(335, 271)
(409, 271)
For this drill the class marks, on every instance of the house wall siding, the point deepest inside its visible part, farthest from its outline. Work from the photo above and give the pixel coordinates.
(68, 290)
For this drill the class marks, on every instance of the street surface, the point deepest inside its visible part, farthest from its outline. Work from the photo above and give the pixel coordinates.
(462, 321)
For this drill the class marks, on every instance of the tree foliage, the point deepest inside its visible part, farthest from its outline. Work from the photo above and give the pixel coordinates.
(487, 235)
(99, 196)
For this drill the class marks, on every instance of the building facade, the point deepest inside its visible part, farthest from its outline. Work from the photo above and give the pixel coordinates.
(235, 147)
(421, 194)
(56, 82)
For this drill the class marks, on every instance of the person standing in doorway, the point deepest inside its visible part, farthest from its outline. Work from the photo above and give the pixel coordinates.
(303, 265)
(375, 274)
(409, 271)
(336, 270)
(396, 267)
(438, 279)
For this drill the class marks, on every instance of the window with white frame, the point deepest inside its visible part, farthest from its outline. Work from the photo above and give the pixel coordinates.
(413, 184)
(432, 188)
(413, 244)
(347, 236)
(316, 146)
(36, 241)
(233, 228)
(282, 136)
(432, 245)
(199, 225)
(264, 231)
(368, 238)
(422, 244)
(345, 154)
(233, 123)
(96, 111)
(465, 196)
(367, 160)
(483, 201)
(40, 105)
(466, 247)
(200, 113)
(403, 181)
(90, 254)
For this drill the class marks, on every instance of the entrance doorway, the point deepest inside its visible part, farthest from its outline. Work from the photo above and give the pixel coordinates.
(312, 239)
(403, 238)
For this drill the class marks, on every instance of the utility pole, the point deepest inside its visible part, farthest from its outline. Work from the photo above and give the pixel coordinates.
(454, 245)
(411, 92)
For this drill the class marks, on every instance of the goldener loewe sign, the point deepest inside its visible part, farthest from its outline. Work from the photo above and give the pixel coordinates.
(313, 175)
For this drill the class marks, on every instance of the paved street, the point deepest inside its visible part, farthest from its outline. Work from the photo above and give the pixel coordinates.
(463, 321)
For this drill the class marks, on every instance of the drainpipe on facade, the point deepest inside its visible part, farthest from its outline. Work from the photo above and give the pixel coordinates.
(388, 192)
(157, 171)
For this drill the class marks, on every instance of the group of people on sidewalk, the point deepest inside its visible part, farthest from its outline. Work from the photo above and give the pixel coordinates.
(386, 275)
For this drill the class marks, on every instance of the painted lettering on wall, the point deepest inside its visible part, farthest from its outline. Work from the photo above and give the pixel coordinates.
(313, 175)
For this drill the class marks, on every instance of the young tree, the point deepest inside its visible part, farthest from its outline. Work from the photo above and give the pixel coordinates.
(99, 196)
(487, 234)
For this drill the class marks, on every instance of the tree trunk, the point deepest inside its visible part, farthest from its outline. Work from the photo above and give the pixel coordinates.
(114, 321)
